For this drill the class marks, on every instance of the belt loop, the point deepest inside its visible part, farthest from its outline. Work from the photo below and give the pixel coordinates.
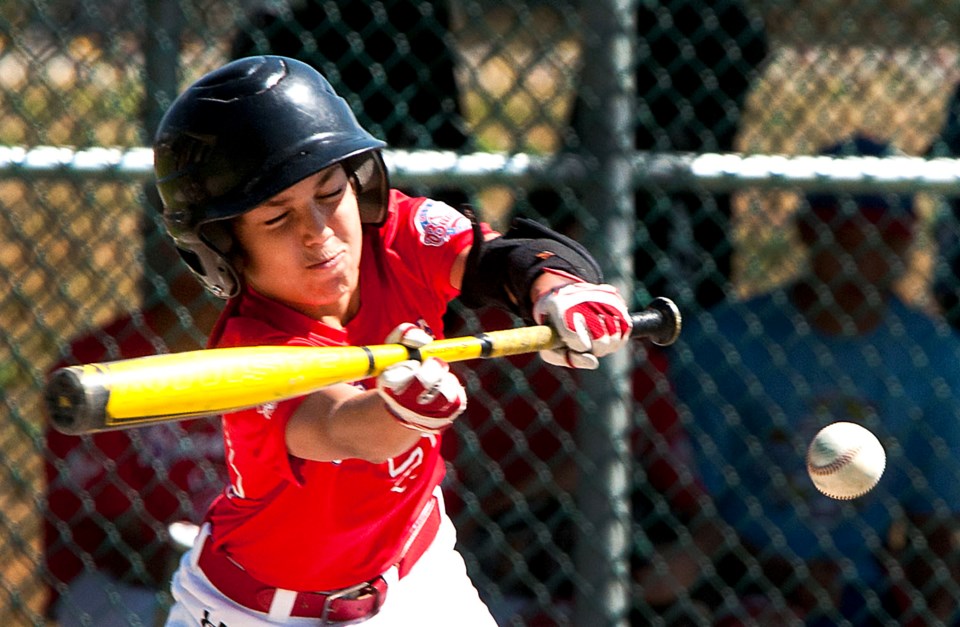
(282, 604)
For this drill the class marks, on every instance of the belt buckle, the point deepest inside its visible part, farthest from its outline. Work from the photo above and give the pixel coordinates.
(352, 592)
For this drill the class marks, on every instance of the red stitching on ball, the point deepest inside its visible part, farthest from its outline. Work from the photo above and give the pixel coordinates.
(835, 465)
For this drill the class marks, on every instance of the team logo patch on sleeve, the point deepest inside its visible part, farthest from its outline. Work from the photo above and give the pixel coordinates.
(437, 222)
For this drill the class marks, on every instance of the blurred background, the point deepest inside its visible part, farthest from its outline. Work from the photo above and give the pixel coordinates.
(86, 272)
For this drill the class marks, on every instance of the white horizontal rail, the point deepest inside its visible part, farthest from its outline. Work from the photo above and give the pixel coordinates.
(710, 171)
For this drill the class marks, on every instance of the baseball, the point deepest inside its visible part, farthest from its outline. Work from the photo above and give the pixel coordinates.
(845, 460)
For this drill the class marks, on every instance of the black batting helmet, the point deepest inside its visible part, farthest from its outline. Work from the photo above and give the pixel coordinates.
(242, 134)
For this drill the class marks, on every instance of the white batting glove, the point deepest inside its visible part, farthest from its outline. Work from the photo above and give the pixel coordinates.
(409, 335)
(591, 320)
(424, 396)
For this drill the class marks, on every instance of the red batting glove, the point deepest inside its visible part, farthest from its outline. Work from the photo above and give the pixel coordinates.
(591, 320)
(424, 396)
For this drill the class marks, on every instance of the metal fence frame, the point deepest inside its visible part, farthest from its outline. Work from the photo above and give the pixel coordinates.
(609, 169)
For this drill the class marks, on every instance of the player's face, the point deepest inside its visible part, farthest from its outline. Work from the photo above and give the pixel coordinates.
(302, 247)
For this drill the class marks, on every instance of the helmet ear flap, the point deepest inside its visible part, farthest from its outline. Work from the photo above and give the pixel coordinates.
(369, 173)
(211, 269)
(206, 254)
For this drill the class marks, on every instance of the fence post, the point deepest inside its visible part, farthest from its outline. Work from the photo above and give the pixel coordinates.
(161, 51)
(603, 489)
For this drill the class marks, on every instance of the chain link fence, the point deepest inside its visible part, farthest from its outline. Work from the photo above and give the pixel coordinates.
(781, 269)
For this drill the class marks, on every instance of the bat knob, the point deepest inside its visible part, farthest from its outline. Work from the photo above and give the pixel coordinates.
(673, 321)
(660, 322)
(70, 404)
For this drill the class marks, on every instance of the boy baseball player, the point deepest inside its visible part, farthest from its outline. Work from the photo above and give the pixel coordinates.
(279, 202)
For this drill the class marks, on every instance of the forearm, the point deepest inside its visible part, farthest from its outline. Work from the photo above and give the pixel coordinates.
(343, 422)
(549, 281)
(502, 271)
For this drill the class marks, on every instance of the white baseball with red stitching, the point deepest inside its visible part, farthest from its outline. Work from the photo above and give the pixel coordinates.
(423, 396)
(591, 320)
(845, 460)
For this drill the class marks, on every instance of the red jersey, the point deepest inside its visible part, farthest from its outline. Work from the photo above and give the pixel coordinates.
(308, 525)
(115, 471)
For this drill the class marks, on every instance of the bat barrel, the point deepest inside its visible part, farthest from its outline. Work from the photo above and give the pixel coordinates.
(660, 322)
(74, 405)
(159, 388)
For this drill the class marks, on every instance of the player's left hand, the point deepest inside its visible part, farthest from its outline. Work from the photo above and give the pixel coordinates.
(424, 396)
(591, 320)
(410, 335)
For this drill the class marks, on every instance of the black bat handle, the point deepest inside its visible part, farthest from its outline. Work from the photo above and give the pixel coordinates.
(660, 322)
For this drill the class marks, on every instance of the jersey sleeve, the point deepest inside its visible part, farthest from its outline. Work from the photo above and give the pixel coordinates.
(429, 237)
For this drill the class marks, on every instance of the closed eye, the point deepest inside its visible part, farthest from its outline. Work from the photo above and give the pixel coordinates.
(276, 219)
(323, 196)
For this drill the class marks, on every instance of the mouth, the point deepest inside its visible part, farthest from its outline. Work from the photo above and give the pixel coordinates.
(327, 261)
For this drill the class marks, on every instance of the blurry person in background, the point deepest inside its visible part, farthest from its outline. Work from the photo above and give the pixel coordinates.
(758, 378)
(946, 285)
(392, 61)
(696, 62)
(111, 496)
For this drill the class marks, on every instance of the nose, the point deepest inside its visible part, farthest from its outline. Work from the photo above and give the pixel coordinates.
(314, 225)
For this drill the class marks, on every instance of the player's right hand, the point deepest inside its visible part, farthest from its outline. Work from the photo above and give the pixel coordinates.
(591, 320)
(424, 396)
